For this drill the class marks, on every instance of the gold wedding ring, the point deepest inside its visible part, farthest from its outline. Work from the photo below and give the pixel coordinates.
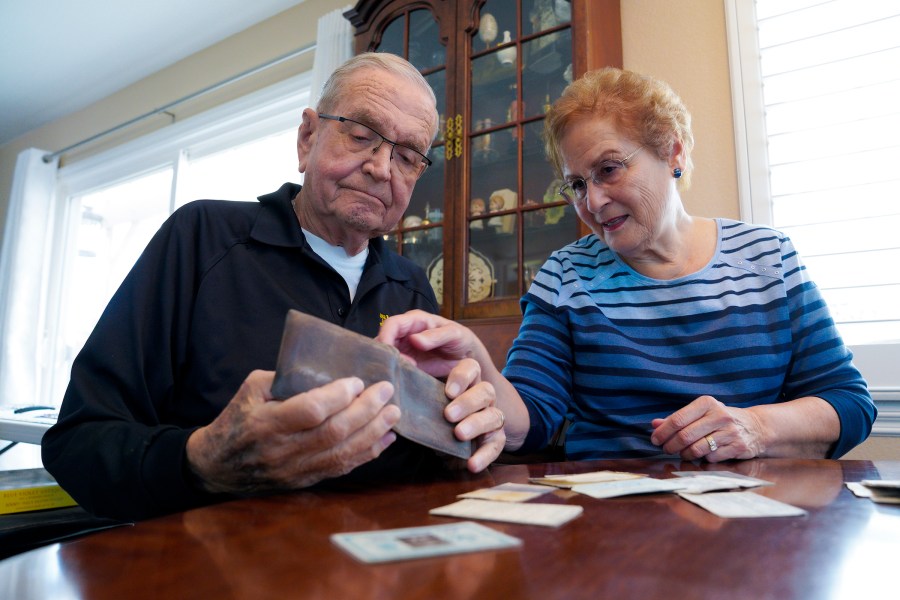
(713, 446)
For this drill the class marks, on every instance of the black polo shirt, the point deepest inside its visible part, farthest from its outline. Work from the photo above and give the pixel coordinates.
(204, 306)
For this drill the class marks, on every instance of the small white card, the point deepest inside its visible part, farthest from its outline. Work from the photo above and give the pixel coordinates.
(890, 484)
(422, 542)
(547, 515)
(712, 483)
(508, 492)
(744, 480)
(858, 489)
(613, 489)
(878, 490)
(736, 505)
(567, 481)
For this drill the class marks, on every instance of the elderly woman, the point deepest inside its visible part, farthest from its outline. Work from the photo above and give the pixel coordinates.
(660, 333)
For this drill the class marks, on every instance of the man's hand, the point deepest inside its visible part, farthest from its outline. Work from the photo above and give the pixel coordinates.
(258, 443)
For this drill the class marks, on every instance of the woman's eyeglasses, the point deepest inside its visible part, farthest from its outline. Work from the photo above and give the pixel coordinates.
(361, 139)
(609, 172)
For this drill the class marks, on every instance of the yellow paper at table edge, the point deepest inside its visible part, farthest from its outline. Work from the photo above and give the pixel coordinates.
(39, 497)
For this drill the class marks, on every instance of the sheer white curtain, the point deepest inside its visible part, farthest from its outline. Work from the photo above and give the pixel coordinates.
(334, 45)
(26, 246)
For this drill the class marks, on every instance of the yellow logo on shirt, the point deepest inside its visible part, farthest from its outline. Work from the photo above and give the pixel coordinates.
(384, 318)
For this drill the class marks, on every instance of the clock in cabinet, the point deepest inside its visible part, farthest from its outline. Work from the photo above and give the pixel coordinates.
(486, 214)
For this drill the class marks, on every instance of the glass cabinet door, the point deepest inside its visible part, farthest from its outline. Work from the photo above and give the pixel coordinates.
(486, 215)
(420, 235)
(520, 59)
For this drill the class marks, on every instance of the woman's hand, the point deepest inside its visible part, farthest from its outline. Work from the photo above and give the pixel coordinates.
(803, 428)
(473, 408)
(444, 348)
(708, 429)
(433, 343)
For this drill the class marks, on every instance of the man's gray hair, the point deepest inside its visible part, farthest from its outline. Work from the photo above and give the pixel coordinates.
(334, 87)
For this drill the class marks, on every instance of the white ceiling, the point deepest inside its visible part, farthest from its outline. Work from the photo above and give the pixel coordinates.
(59, 56)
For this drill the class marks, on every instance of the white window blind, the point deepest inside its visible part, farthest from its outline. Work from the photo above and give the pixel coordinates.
(816, 92)
(830, 73)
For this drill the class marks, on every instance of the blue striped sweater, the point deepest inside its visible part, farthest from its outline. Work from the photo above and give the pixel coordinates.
(610, 349)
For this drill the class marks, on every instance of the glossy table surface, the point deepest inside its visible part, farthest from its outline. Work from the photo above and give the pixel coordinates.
(651, 546)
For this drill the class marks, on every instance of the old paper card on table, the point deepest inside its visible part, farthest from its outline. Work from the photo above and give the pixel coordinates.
(508, 492)
(629, 487)
(881, 491)
(734, 505)
(569, 480)
(548, 515)
(744, 481)
(315, 352)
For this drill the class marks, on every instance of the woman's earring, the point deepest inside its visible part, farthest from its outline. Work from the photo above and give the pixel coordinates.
(676, 173)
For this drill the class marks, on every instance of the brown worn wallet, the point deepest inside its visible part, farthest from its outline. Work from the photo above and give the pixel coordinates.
(315, 352)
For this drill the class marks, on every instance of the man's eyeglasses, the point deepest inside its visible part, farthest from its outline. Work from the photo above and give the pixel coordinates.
(362, 139)
(609, 172)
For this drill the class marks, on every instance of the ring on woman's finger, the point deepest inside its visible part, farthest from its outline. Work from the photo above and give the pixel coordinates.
(713, 446)
(502, 419)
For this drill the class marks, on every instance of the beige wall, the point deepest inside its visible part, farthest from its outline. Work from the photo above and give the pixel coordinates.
(876, 448)
(682, 42)
(273, 38)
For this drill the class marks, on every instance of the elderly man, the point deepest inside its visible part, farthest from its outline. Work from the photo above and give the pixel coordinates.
(169, 405)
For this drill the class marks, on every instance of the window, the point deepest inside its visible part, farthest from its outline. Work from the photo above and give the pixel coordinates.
(815, 85)
(108, 235)
(110, 205)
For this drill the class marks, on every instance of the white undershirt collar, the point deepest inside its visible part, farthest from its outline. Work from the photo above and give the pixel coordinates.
(349, 267)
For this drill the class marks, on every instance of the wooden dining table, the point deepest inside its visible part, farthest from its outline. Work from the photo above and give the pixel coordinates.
(647, 546)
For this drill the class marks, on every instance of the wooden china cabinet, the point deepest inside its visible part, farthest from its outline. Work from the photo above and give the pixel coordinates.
(485, 216)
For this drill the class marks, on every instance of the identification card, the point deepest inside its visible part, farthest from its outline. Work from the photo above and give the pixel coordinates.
(422, 542)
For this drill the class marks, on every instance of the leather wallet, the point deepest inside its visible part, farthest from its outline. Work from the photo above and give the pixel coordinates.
(315, 352)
